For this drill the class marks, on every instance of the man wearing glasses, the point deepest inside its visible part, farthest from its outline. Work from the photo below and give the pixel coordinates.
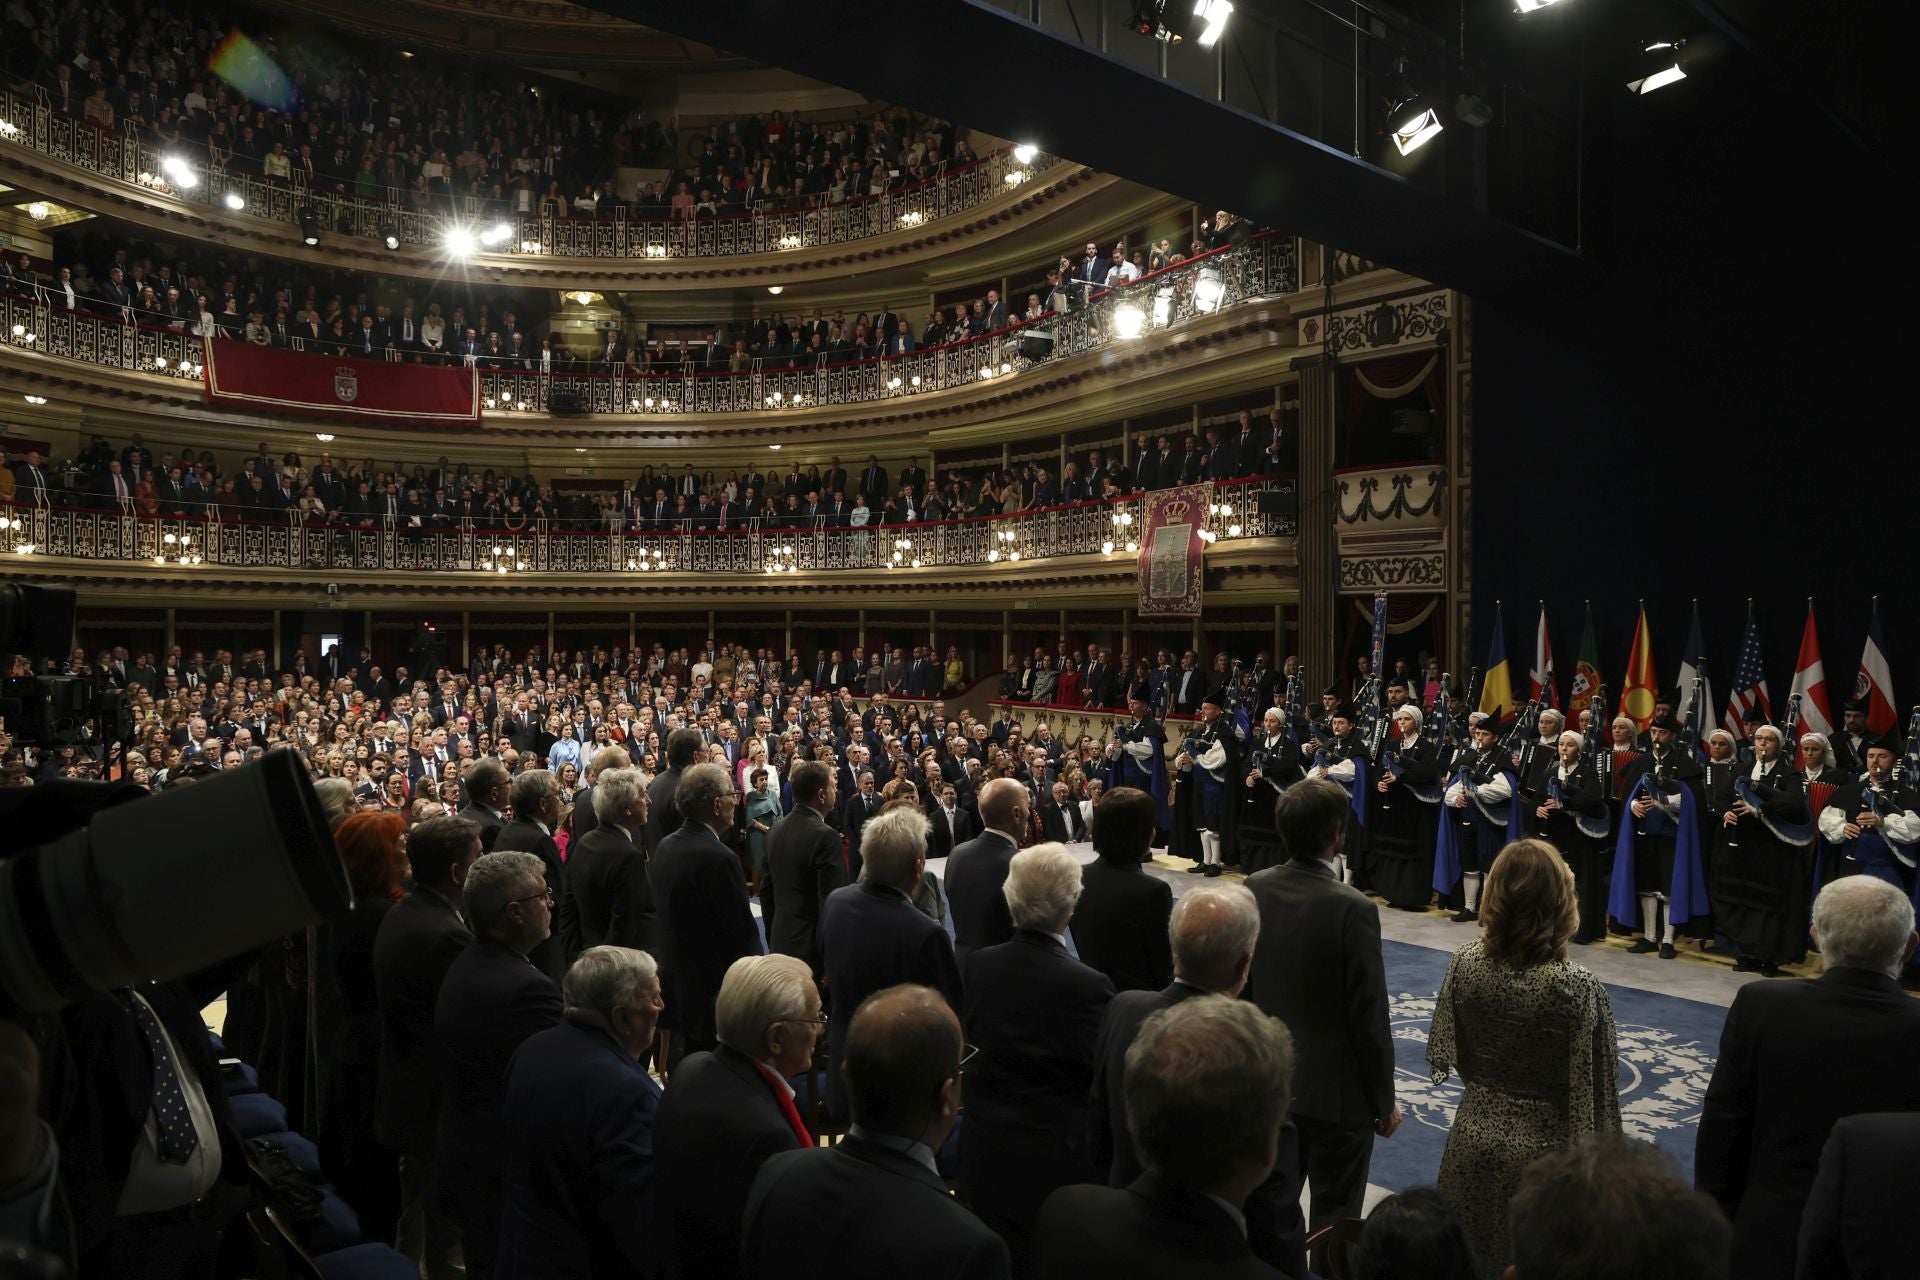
(493, 999)
(705, 922)
(847, 1210)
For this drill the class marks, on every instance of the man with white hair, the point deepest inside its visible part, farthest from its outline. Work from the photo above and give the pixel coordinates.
(577, 1128)
(607, 898)
(1797, 1056)
(1034, 1011)
(1212, 932)
(729, 1110)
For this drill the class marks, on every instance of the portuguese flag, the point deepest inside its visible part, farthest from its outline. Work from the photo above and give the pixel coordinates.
(1586, 671)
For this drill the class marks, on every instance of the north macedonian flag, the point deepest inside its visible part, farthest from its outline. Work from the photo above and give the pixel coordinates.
(1641, 686)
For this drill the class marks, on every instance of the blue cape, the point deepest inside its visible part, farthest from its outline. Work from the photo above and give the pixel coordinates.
(1875, 854)
(1687, 895)
(1156, 780)
(1446, 849)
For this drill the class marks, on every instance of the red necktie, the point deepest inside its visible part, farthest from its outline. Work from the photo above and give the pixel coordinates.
(785, 1096)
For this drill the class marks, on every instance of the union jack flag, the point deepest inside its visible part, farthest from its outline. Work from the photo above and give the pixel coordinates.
(1749, 682)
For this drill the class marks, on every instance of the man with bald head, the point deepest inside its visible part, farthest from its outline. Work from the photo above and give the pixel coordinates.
(977, 869)
(875, 1204)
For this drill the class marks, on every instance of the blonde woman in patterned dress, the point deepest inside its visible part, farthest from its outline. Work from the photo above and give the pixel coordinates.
(1530, 1034)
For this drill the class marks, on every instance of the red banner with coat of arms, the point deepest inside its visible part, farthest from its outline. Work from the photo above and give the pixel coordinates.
(244, 375)
(1172, 552)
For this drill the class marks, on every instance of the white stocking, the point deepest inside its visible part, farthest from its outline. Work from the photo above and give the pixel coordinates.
(1470, 887)
(1649, 916)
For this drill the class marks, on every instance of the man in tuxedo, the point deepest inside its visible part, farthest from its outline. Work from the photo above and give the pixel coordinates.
(30, 479)
(705, 922)
(914, 478)
(873, 481)
(729, 1111)
(805, 864)
(491, 1001)
(1207, 1083)
(873, 937)
(1060, 818)
(1120, 922)
(536, 812)
(860, 806)
(1096, 678)
(607, 897)
(947, 811)
(417, 944)
(1797, 1056)
(1189, 685)
(1318, 969)
(977, 870)
(845, 1210)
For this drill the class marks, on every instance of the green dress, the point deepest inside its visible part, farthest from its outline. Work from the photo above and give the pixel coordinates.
(762, 806)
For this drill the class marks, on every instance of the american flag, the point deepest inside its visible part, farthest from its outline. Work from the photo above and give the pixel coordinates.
(1749, 682)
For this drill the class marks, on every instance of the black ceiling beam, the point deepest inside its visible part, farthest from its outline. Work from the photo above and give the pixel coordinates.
(983, 68)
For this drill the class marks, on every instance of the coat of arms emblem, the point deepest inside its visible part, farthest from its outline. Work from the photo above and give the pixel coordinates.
(345, 385)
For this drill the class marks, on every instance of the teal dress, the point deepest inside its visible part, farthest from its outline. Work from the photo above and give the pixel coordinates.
(764, 807)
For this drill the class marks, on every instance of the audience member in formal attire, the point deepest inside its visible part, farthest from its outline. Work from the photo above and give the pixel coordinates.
(1855, 1225)
(1212, 935)
(608, 897)
(701, 893)
(1034, 1013)
(1318, 969)
(535, 800)
(1797, 1056)
(1608, 1208)
(977, 870)
(683, 746)
(1207, 1082)
(486, 784)
(729, 1111)
(1120, 924)
(577, 1128)
(875, 1205)
(419, 940)
(493, 999)
(1411, 1236)
(872, 936)
(805, 864)
(1531, 1035)
(586, 818)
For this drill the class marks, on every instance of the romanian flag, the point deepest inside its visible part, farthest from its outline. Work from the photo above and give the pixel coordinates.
(1642, 686)
(1586, 672)
(1496, 690)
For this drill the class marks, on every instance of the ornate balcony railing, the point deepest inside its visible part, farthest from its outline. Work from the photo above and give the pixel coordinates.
(1263, 267)
(759, 547)
(120, 155)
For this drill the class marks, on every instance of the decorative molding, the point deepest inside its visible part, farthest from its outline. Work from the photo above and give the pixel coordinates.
(1387, 325)
(1414, 496)
(1360, 574)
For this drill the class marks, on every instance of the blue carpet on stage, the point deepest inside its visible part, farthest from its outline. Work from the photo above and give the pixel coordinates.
(1667, 1049)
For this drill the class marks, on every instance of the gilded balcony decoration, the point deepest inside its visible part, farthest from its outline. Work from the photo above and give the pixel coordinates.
(1391, 524)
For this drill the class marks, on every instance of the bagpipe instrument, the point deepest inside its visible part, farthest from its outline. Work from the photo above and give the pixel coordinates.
(1907, 772)
(1599, 737)
(1690, 728)
(1372, 723)
(1293, 703)
(1526, 725)
(1790, 727)
(1435, 728)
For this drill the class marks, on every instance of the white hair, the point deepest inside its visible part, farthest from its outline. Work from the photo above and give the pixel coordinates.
(336, 799)
(494, 880)
(891, 843)
(603, 977)
(1862, 922)
(759, 990)
(1043, 883)
(1212, 927)
(615, 790)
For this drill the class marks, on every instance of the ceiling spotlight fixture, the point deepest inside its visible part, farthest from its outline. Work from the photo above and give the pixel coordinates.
(234, 201)
(324, 437)
(1660, 66)
(1128, 321)
(309, 225)
(38, 210)
(582, 296)
(1024, 153)
(776, 289)
(1212, 15)
(1531, 6)
(459, 242)
(1171, 21)
(1412, 121)
(1209, 289)
(390, 236)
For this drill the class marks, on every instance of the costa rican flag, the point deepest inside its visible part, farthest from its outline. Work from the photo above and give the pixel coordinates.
(1874, 685)
(1749, 682)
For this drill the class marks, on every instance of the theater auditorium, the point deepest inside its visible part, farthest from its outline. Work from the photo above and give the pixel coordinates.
(977, 639)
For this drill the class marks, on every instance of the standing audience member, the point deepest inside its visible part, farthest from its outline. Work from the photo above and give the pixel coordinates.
(1411, 1236)
(1034, 1012)
(419, 940)
(577, 1128)
(486, 785)
(1608, 1208)
(730, 1110)
(1797, 1056)
(1318, 969)
(872, 936)
(705, 921)
(1531, 1034)
(1120, 924)
(492, 1000)
(875, 1204)
(1206, 1083)
(977, 870)
(608, 898)
(663, 815)
(1855, 1225)
(535, 800)
(1213, 931)
(805, 864)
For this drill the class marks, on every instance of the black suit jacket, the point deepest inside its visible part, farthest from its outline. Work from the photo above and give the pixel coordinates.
(526, 837)
(1854, 1226)
(1062, 823)
(976, 872)
(491, 1001)
(1120, 925)
(609, 896)
(490, 824)
(705, 925)
(418, 942)
(1145, 1231)
(862, 1209)
(1794, 1058)
(1034, 1012)
(715, 1128)
(663, 815)
(1317, 967)
(872, 937)
(804, 865)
